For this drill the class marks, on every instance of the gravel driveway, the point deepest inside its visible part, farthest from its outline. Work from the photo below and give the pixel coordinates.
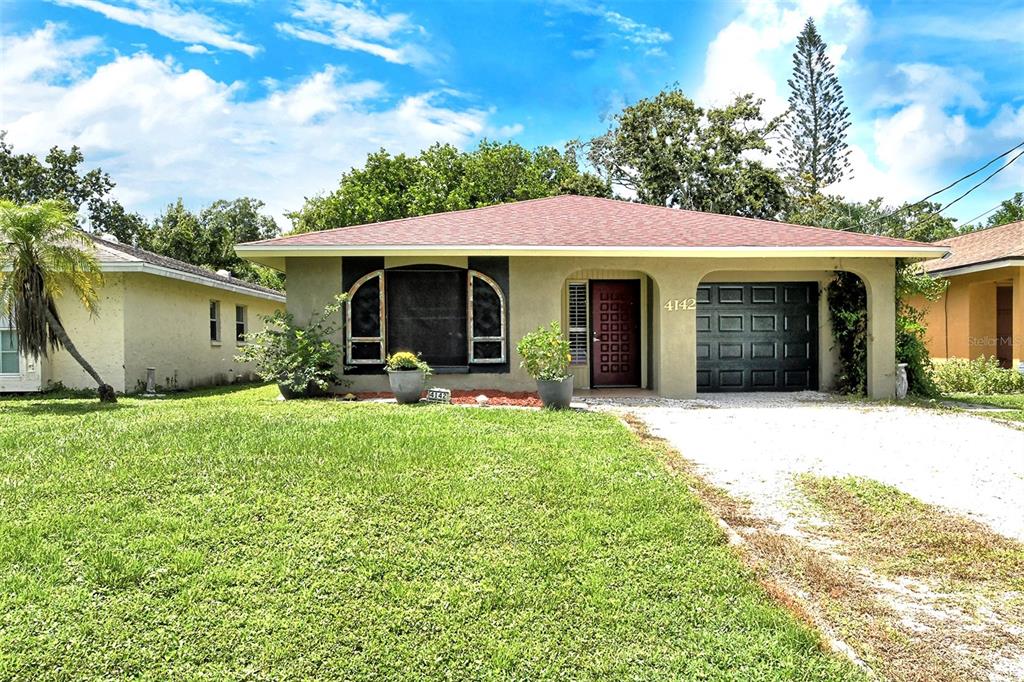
(752, 445)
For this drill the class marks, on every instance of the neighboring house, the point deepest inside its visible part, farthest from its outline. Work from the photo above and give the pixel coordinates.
(669, 300)
(185, 321)
(982, 311)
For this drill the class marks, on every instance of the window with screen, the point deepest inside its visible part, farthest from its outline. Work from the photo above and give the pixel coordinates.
(426, 314)
(214, 321)
(364, 320)
(578, 322)
(451, 317)
(487, 315)
(9, 356)
(241, 323)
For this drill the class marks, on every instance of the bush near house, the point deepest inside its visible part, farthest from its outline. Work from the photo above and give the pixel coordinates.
(981, 376)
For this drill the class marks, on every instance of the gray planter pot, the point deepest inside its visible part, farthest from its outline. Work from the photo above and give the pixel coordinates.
(407, 385)
(556, 395)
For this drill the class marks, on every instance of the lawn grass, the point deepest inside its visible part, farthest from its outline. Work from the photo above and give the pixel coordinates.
(1014, 404)
(229, 535)
(902, 536)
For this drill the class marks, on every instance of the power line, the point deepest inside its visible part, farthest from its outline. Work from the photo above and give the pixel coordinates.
(987, 178)
(952, 184)
(981, 215)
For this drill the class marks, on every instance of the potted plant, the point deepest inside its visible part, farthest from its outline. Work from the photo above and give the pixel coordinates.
(546, 358)
(407, 374)
(301, 359)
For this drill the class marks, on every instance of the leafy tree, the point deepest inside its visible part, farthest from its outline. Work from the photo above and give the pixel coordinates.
(24, 179)
(442, 178)
(848, 298)
(42, 252)
(1010, 211)
(816, 153)
(670, 152)
(917, 222)
(178, 234)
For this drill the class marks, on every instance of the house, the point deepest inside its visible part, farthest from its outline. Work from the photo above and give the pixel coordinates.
(182, 320)
(650, 297)
(982, 310)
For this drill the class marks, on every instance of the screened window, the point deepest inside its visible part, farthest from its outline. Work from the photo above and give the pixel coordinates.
(364, 321)
(241, 323)
(487, 319)
(9, 357)
(451, 317)
(578, 322)
(214, 321)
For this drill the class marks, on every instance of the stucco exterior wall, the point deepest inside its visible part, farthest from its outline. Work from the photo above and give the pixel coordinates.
(167, 326)
(536, 297)
(962, 322)
(99, 338)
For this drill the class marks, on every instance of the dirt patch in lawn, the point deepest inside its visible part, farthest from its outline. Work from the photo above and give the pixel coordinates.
(908, 590)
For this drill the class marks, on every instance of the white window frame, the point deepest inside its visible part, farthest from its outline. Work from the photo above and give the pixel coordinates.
(215, 321)
(379, 340)
(585, 329)
(7, 326)
(244, 322)
(473, 340)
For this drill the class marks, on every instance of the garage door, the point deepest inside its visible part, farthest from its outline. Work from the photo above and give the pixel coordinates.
(757, 336)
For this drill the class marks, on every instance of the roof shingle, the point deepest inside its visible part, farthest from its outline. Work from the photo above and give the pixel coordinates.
(983, 246)
(576, 221)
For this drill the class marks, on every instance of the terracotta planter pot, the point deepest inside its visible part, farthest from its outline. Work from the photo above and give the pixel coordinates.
(556, 395)
(407, 385)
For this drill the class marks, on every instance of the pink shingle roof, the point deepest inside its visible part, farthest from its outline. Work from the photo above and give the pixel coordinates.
(575, 221)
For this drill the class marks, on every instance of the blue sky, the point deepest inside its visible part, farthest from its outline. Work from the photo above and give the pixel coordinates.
(208, 100)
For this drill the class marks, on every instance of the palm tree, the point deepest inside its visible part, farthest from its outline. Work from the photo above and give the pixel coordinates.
(42, 251)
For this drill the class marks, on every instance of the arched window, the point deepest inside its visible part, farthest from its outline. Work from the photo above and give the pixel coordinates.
(486, 319)
(453, 317)
(365, 320)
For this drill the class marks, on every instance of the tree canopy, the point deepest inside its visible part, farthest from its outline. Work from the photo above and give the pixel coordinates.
(1010, 211)
(24, 179)
(670, 152)
(917, 222)
(816, 153)
(443, 178)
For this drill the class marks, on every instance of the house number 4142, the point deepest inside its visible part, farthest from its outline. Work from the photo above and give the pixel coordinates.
(680, 304)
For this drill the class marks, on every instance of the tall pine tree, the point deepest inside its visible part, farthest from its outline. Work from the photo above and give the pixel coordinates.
(816, 154)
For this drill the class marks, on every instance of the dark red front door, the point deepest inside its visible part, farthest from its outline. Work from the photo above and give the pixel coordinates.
(615, 332)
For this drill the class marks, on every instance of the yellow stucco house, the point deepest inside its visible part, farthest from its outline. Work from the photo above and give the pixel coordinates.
(678, 302)
(982, 310)
(184, 321)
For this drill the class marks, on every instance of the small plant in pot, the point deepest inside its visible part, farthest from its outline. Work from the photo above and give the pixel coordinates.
(546, 358)
(299, 358)
(407, 374)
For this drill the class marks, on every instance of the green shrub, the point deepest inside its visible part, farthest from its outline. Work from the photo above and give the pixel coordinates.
(406, 361)
(296, 357)
(545, 353)
(982, 375)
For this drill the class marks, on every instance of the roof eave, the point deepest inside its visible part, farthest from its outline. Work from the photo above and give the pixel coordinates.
(274, 255)
(967, 268)
(160, 271)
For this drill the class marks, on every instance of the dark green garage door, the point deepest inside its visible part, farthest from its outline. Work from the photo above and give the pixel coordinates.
(757, 336)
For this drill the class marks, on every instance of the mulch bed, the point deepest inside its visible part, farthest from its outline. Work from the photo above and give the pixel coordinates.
(496, 398)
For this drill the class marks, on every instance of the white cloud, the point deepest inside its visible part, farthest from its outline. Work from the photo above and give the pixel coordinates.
(197, 49)
(634, 31)
(162, 131)
(354, 27)
(753, 52)
(170, 21)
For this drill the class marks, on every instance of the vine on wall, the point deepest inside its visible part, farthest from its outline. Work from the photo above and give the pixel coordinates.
(847, 303)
